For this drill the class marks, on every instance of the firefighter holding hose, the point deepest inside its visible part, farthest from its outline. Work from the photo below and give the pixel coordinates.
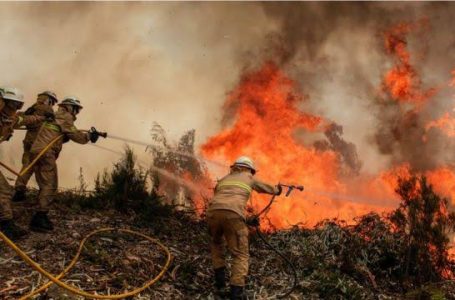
(44, 105)
(45, 169)
(226, 221)
(10, 102)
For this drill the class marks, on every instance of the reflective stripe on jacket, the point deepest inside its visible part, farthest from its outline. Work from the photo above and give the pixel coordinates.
(233, 192)
(63, 124)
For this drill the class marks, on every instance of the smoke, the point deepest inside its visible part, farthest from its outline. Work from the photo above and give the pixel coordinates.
(336, 51)
(346, 150)
(132, 64)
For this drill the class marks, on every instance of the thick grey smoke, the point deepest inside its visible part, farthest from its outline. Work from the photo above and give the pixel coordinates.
(132, 64)
(336, 52)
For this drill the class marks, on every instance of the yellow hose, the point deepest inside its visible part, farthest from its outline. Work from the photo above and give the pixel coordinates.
(25, 170)
(75, 290)
(57, 278)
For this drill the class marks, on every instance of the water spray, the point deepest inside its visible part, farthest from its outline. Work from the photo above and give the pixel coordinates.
(148, 145)
(190, 185)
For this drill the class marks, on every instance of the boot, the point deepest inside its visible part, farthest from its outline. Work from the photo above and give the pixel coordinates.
(220, 282)
(238, 293)
(19, 196)
(11, 230)
(41, 223)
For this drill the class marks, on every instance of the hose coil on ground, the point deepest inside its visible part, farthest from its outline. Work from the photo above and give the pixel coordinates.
(74, 290)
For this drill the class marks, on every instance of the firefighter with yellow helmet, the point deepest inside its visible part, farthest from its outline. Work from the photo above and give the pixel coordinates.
(226, 222)
(10, 102)
(46, 167)
(43, 106)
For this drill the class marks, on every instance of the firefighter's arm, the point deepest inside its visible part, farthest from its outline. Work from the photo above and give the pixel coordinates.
(21, 119)
(262, 187)
(78, 136)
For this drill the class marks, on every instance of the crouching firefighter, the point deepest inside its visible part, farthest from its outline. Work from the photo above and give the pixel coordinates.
(226, 222)
(62, 130)
(43, 106)
(10, 102)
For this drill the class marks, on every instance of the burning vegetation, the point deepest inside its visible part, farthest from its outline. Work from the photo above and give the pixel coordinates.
(353, 233)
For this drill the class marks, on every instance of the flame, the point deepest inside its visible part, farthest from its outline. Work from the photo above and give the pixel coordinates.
(266, 106)
(266, 120)
(446, 124)
(402, 82)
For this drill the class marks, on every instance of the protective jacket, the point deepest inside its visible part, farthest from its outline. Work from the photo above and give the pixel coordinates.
(37, 109)
(233, 192)
(7, 126)
(63, 124)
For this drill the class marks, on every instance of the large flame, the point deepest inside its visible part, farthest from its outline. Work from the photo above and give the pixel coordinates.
(267, 121)
(402, 81)
(266, 118)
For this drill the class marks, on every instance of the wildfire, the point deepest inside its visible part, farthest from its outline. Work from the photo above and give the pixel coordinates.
(402, 82)
(267, 114)
(446, 123)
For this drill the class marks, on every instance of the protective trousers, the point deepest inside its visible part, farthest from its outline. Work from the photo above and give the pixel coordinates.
(228, 228)
(21, 181)
(46, 176)
(6, 192)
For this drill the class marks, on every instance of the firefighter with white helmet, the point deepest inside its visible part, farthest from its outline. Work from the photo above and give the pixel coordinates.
(226, 221)
(46, 167)
(10, 102)
(43, 107)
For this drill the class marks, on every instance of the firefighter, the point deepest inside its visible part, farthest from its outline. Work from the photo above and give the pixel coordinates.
(10, 103)
(226, 222)
(46, 167)
(44, 105)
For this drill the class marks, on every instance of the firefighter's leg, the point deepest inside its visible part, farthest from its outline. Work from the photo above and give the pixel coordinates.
(215, 221)
(216, 239)
(21, 181)
(236, 233)
(47, 179)
(7, 225)
(6, 212)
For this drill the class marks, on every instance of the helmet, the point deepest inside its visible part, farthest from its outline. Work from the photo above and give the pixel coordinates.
(51, 95)
(73, 101)
(13, 95)
(246, 162)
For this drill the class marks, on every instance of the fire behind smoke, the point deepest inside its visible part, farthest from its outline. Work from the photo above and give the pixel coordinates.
(265, 116)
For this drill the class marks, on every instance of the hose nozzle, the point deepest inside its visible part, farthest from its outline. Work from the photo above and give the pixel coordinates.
(291, 188)
(102, 134)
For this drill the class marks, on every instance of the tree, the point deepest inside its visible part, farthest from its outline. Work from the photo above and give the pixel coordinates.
(424, 221)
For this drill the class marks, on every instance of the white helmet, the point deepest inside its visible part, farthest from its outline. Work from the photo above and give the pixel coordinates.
(246, 162)
(73, 101)
(13, 94)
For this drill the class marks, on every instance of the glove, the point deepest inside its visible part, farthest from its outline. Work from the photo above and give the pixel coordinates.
(93, 136)
(66, 138)
(280, 189)
(30, 111)
(252, 221)
(50, 117)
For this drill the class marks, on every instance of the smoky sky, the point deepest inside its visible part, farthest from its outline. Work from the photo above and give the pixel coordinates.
(132, 64)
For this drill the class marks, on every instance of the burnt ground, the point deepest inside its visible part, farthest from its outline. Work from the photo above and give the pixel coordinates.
(113, 263)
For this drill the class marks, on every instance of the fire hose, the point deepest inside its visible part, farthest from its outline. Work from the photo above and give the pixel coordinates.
(56, 279)
(255, 224)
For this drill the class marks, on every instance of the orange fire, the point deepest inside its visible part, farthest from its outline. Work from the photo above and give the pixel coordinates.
(402, 82)
(267, 116)
(446, 123)
(268, 123)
